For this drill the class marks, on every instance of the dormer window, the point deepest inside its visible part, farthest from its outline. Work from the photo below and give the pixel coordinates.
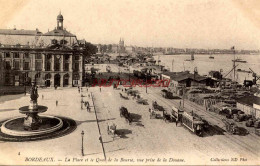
(54, 41)
(63, 42)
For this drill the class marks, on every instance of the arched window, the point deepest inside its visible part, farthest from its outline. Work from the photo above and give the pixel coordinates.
(48, 76)
(38, 75)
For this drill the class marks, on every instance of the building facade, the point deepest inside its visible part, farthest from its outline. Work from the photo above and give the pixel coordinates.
(51, 59)
(2, 72)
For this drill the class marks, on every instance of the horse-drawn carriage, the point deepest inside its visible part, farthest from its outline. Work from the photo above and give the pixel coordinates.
(157, 107)
(142, 101)
(132, 92)
(111, 130)
(166, 94)
(155, 114)
(167, 117)
(124, 113)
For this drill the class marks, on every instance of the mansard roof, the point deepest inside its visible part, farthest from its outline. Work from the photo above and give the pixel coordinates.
(59, 32)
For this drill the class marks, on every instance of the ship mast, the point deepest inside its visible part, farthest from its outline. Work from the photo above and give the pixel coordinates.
(234, 63)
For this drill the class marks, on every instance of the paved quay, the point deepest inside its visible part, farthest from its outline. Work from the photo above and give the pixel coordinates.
(144, 139)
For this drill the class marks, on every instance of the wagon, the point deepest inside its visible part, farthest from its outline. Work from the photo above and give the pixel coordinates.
(166, 94)
(167, 117)
(111, 130)
(142, 101)
(231, 127)
(154, 114)
(157, 107)
(124, 113)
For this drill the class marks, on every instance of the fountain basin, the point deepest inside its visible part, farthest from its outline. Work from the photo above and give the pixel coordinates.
(39, 109)
(15, 127)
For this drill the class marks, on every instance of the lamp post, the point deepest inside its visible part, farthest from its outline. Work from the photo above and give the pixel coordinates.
(129, 71)
(172, 64)
(183, 91)
(82, 148)
(146, 82)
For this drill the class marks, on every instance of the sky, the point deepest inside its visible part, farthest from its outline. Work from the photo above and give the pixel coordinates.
(148, 23)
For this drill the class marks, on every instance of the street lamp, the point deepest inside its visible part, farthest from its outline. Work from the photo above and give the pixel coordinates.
(129, 71)
(146, 82)
(183, 93)
(172, 64)
(82, 148)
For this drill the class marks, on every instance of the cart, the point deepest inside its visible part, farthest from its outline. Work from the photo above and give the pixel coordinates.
(111, 130)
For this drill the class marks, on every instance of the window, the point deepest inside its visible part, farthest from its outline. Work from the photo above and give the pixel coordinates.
(76, 66)
(63, 42)
(38, 65)
(76, 57)
(38, 75)
(48, 76)
(7, 55)
(48, 56)
(26, 66)
(48, 66)
(57, 66)
(16, 55)
(54, 41)
(16, 65)
(8, 65)
(38, 56)
(67, 57)
(66, 67)
(26, 55)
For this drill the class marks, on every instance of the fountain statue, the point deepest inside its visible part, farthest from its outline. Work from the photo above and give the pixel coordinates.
(32, 121)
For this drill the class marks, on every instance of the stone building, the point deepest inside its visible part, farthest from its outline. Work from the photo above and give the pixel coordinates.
(2, 72)
(52, 58)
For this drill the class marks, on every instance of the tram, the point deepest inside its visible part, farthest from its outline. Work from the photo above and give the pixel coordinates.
(194, 123)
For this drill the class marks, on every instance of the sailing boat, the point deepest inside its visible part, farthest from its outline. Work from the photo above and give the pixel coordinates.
(191, 58)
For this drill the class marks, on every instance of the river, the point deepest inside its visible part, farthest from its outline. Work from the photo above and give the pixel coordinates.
(204, 64)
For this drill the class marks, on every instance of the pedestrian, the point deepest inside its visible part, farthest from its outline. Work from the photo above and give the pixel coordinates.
(81, 89)
(88, 95)
(87, 89)
(100, 89)
(176, 122)
(42, 97)
(24, 90)
(56, 103)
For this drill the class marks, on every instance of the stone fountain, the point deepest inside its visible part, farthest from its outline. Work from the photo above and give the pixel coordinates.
(33, 125)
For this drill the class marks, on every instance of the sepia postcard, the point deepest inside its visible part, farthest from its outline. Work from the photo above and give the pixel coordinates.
(129, 82)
